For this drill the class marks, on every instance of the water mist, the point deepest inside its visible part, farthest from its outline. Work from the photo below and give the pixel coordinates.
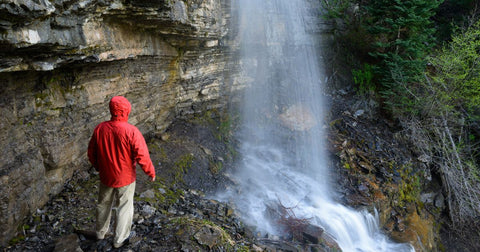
(282, 149)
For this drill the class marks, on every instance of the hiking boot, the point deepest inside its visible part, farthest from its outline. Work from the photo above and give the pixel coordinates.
(125, 242)
(132, 239)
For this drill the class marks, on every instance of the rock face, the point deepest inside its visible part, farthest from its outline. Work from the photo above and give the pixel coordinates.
(61, 62)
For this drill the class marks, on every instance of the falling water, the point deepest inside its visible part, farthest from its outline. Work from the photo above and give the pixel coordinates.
(282, 138)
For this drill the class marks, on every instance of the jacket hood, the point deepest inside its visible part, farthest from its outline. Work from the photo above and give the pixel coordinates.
(120, 108)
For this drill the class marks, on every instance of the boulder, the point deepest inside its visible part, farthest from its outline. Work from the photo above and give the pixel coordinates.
(208, 236)
(298, 117)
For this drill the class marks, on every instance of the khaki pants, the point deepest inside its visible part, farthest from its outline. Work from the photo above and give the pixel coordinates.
(122, 199)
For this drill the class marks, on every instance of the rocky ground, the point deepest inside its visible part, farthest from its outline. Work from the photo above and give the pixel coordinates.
(188, 222)
(173, 213)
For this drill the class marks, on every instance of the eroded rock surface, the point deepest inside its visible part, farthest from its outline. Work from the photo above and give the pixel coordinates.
(61, 62)
(376, 170)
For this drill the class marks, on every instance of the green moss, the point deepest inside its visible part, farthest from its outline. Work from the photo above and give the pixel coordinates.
(222, 122)
(223, 125)
(224, 132)
(215, 167)
(172, 196)
(242, 248)
(153, 147)
(166, 188)
(52, 87)
(410, 186)
(182, 165)
(335, 122)
(226, 242)
(16, 240)
(169, 197)
(206, 118)
(163, 154)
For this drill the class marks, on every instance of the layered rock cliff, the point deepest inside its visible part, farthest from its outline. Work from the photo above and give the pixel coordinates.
(61, 61)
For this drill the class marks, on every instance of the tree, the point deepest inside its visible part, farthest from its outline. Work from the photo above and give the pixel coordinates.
(447, 127)
(454, 85)
(403, 37)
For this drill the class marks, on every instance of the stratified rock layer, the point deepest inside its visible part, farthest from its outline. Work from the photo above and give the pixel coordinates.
(61, 62)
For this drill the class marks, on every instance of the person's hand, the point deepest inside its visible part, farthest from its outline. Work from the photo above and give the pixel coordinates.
(152, 179)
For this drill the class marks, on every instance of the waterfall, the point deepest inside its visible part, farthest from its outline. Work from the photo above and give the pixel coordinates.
(282, 153)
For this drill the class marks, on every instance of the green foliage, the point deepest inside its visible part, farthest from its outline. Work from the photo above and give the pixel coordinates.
(403, 36)
(438, 103)
(448, 123)
(363, 78)
(457, 71)
(335, 8)
(454, 84)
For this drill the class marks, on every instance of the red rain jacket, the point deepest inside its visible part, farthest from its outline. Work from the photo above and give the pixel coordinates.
(117, 146)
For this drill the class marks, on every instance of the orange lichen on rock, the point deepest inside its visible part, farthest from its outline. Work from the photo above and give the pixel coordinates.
(419, 232)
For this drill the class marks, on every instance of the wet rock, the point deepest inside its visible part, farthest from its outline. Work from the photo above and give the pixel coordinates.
(148, 211)
(149, 194)
(312, 233)
(298, 117)
(276, 245)
(359, 113)
(34, 239)
(165, 137)
(207, 151)
(440, 201)
(208, 236)
(416, 230)
(329, 242)
(363, 188)
(256, 248)
(389, 226)
(427, 197)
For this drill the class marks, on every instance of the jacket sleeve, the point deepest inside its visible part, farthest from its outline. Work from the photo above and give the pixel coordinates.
(92, 151)
(141, 155)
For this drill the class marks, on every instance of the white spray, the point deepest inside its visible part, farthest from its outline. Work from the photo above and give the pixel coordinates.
(282, 138)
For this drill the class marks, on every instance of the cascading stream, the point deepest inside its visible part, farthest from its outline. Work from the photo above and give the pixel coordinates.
(282, 138)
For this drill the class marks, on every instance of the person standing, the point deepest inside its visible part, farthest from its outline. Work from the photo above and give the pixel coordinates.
(114, 150)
